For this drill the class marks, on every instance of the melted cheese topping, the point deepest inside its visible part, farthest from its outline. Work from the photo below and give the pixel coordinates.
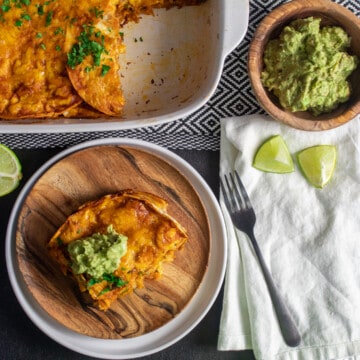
(153, 237)
(35, 79)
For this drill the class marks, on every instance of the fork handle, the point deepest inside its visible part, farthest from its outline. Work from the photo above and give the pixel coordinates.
(287, 326)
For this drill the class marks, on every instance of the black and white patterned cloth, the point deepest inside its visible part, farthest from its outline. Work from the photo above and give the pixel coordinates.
(201, 130)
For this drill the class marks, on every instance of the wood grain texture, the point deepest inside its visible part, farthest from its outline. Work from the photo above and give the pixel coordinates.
(87, 175)
(331, 14)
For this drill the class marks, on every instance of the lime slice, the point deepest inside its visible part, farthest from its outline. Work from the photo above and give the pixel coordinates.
(317, 164)
(10, 170)
(274, 156)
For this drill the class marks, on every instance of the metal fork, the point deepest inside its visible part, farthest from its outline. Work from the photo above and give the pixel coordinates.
(243, 216)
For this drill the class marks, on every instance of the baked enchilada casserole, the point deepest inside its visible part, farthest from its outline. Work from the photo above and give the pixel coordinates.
(61, 58)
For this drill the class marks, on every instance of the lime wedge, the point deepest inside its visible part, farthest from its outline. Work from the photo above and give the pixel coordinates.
(274, 156)
(10, 170)
(317, 164)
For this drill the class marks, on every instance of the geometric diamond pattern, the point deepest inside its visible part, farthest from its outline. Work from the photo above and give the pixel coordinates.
(200, 130)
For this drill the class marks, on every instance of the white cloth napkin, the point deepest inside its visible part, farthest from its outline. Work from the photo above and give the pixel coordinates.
(310, 239)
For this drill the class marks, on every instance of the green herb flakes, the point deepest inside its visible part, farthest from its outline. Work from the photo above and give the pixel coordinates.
(105, 69)
(92, 282)
(40, 9)
(97, 12)
(49, 17)
(113, 279)
(5, 8)
(87, 46)
(26, 17)
(59, 31)
(104, 291)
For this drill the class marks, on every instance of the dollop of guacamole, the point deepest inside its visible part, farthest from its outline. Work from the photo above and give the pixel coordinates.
(97, 254)
(308, 65)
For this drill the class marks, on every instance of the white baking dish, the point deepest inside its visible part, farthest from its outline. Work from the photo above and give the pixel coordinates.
(172, 65)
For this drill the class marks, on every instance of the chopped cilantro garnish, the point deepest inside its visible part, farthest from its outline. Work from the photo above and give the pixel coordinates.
(92, 282)
(97, 12)
(97, 50)
(5, 8)
(49, 16)
(59, 30)
(112, 280)
(57, 47)
(26, 17)
(40, 9)
(17, 3)
(43, 46)
(115, 280)
(39, 35)
(86, 46)
(18, 23)
(105, 69)
(104, 291)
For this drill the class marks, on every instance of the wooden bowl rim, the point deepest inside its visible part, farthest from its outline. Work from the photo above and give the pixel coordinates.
(291, 9)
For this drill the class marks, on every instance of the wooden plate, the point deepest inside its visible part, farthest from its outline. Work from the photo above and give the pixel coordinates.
(88, 174)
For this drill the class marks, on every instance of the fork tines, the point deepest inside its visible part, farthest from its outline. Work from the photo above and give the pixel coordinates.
(241, 199)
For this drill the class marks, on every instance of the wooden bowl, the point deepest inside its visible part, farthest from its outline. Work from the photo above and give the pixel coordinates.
(87, 174)
(271, 26)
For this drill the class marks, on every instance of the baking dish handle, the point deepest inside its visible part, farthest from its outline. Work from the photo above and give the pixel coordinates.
(236, 19)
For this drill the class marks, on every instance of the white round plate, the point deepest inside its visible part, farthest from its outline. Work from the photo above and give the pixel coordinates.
(173, 330)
